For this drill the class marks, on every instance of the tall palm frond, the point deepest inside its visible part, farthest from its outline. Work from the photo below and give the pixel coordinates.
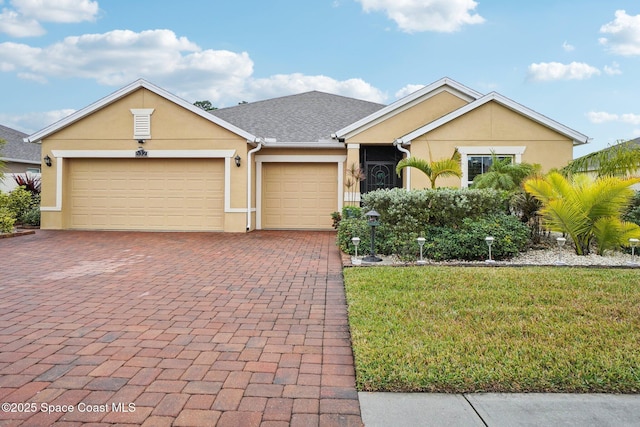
(585, 208)
(621, 159)
(434, 169)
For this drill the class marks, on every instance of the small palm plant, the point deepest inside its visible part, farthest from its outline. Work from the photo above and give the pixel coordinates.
(503, 174)
(433, 169)
(355, 175)
(586, 209)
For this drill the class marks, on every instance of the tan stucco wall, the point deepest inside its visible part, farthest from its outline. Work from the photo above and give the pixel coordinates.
(410, 119)
(492, 125)
(172, 128)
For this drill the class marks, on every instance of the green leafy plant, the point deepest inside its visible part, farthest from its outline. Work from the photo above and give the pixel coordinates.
(7, 220)
(620, 159)
(31, 217)
(17, 202)
(504, 174)
(433, 169)
(586, 209)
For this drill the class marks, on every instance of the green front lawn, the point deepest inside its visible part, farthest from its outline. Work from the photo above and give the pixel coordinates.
(478, 329)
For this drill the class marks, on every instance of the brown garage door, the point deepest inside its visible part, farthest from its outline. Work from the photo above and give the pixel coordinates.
(146, 194)
(299, 196)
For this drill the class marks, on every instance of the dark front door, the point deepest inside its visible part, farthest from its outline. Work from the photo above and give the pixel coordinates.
(379, 166)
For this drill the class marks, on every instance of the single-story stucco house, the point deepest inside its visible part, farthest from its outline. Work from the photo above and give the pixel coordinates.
(18, 156)
(145, 159)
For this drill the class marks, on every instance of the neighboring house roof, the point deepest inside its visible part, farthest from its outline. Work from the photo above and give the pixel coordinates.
(141, 83)
(309, 117)
(16, 149)
(577, 137)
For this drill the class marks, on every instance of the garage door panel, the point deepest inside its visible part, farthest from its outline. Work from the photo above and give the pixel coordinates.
(299, 196)
(144, 194)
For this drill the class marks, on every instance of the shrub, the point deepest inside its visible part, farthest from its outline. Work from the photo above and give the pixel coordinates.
(31, 217)
(6, 220)
(633, 213)
(355, 227)
(17, 202)
(29, 181)
(414, 209)
(467, 242)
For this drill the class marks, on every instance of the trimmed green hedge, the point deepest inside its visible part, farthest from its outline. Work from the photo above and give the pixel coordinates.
(454, 222)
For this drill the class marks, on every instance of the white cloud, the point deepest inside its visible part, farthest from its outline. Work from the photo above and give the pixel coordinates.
(550, 71)
(568, 47)
(407, 90)
(624, 34)
(31, 122)
(25, 16)
(62, 11)
(612, 70)
(427, 15)
(16, 25)
(119, 57)
(599, 117)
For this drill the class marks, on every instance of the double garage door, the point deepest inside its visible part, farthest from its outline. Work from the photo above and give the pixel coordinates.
(188, 194)
(146, 194)
(299, 195)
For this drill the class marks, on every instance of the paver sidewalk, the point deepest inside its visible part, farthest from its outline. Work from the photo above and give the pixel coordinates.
(181, 329)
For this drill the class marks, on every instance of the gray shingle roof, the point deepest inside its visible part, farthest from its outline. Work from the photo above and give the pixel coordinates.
(306, 117)
(15, 148)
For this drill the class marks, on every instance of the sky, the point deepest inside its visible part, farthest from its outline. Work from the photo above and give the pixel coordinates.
(574, 61)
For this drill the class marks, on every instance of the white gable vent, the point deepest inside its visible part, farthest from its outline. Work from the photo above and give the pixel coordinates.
(142, 123)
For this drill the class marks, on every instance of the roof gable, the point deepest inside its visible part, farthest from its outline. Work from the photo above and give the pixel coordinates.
(444, 84)
(123, 92)
(575, 136)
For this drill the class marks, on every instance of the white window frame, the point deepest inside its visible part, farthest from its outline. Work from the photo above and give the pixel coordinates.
(466, 151)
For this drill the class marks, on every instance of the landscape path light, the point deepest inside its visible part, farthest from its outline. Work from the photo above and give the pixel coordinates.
(355, 260)
(421, 241)
(561, 241)
(633, 243)
(489, 240)
(373, 218)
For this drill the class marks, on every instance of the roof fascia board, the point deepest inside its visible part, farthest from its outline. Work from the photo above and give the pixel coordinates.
(444, 84)
(121, 93)
(28, 162)
(576, 137)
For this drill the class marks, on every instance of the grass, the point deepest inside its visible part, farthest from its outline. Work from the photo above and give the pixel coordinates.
(477, 329)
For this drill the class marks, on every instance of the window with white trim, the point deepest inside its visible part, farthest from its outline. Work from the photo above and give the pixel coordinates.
(477, 159)
(477, 165)
(142, 122)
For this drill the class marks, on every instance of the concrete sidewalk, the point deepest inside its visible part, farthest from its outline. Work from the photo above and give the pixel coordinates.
(496, 410)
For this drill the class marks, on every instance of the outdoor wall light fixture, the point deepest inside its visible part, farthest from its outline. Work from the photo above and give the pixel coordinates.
(373, 221)
(489, 241)
(47, 160)
(356, 242)
(421, 241)
(237, 158)
(561, 241)
(141, 141)
(633, 243)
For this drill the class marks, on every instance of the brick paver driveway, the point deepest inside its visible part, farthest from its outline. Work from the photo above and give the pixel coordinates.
(182, 329)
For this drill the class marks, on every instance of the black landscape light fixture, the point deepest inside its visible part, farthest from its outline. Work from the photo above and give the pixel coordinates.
(373, 220)
(47, 160)
(237, 158)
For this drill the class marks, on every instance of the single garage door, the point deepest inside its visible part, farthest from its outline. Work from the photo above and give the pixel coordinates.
(146, 194)
(299, 195)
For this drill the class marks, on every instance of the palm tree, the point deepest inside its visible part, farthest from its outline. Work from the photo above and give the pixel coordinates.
(587, 209)
(621, 159)
(503, 174)
(433, 169)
